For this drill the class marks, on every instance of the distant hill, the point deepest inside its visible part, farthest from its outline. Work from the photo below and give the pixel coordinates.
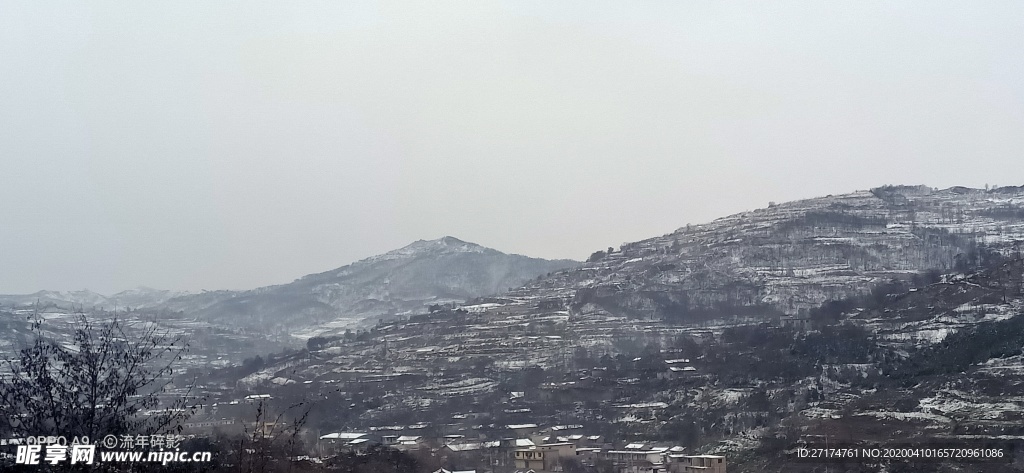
(401, 281)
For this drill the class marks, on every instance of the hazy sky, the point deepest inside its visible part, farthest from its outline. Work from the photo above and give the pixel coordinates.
(207, 145)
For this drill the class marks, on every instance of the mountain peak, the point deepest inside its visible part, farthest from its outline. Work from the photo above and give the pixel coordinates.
(445, 240)
(444, 244)
(450, 240)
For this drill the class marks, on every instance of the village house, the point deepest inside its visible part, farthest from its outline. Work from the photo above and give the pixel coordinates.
(530, 459)
(442, 470)
(255, 398)
(554, 452)
(523, 430)
(795, 322)
(336, 442)
(677, 372)
(635, 453)
(678, 463)
(410, 442)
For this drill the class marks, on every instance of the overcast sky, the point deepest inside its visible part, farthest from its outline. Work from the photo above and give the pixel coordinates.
(207, 145)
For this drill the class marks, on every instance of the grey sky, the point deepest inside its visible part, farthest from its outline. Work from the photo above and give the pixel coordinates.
(207, 145)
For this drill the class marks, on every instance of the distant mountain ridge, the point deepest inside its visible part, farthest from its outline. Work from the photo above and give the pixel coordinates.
(140, 297)
(784, 258)
(404, 280)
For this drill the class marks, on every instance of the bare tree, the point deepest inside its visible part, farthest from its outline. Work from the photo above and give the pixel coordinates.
(106, 380)
(272, 440)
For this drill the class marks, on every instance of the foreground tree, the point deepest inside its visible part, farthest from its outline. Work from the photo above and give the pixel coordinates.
(272, 441)
(106, 380)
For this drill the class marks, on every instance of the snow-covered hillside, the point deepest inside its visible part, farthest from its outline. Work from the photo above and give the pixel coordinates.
(402, 281)
(796, 255)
